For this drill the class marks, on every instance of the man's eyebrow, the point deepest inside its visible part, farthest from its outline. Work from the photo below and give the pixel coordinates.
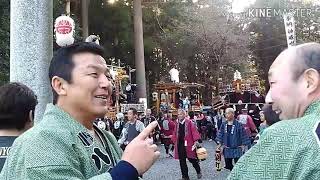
(96, 67)
(93, 66)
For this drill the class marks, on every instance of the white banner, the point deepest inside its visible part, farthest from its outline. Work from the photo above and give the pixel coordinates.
(289, 25)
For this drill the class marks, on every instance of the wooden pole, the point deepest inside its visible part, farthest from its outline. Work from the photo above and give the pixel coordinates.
(139, 50)
(68, 7)
(84, 18)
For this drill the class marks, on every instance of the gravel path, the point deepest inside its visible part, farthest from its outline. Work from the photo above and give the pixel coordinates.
(169, 169)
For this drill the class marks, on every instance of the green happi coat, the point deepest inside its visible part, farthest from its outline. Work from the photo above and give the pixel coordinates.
(289, 149)
(59, 147)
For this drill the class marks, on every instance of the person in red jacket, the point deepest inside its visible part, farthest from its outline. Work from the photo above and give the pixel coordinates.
(167, 128)
(185, 138)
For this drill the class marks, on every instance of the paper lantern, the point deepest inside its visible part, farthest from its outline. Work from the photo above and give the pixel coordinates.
(64, 30)
(202, 154)
(154, 96)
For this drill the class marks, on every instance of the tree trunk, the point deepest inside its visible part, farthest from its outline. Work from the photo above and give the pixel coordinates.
(139, 49)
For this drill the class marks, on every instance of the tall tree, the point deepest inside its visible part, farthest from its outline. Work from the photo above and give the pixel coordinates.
(268, 36)
(200, 39)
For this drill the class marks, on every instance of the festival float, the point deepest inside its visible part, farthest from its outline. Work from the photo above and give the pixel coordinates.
(122, 99)
(170, 96)
(240, 93)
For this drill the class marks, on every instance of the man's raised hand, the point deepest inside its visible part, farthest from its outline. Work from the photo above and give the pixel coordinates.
(141, 152)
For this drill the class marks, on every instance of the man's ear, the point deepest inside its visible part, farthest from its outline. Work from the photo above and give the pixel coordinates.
(30, 121)
(311, 80)
(59, 85)
(31, 116)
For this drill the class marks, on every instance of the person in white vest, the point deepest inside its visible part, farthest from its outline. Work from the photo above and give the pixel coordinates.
(131, 129)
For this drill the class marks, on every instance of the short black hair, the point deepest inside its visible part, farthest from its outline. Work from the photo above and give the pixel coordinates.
(62, 64)
(16, 101)
(270, 115)
(134, 111)
(310, 58)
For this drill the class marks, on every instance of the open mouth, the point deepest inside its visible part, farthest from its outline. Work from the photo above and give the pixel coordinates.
(104, 97)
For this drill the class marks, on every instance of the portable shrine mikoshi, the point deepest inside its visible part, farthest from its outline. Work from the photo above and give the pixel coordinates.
(170, 96)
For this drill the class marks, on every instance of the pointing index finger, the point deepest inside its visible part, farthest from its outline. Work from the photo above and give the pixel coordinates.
(148, 130)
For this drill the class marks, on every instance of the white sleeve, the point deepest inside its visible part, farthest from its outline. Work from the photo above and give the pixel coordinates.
(140, 126)
(215, 120)
(124, 133)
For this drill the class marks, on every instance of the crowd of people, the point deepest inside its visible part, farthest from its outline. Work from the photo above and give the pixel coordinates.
(73, 140)
(178, 134)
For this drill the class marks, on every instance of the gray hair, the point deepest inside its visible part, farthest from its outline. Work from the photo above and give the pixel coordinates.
(230, 110)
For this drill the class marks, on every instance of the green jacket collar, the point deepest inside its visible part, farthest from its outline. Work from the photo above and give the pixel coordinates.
(312, 108)
(60, 118)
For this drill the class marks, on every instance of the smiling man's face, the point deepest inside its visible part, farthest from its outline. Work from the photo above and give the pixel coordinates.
(90, 88)
(286, 90)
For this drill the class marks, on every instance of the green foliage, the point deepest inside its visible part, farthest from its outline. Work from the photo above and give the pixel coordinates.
(176, 34)
(113, 23)
(268, 36)
(204, 43)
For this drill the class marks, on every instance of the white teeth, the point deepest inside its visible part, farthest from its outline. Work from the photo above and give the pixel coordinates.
(102, 97)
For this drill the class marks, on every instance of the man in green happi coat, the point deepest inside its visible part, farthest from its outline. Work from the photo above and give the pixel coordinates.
(66, 144)
(290, 148)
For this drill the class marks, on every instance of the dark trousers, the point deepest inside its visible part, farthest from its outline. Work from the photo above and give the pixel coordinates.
(167, 147)
(229, 164)
(183, 162)
(210, 132)
(161, 140)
